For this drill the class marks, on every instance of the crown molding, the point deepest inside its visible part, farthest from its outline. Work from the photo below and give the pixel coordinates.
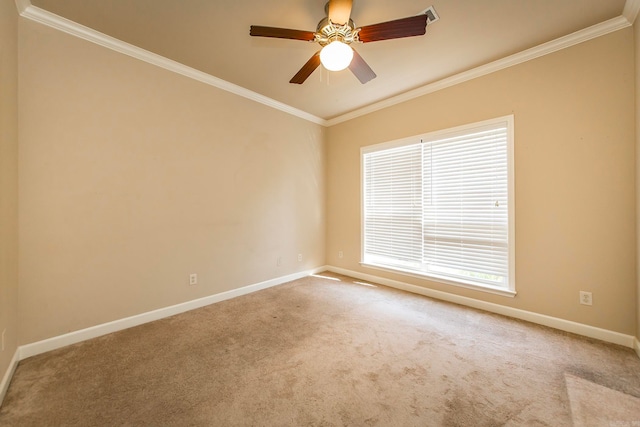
(631, 9)
(27, 10)
(586, 34)
(22, 5)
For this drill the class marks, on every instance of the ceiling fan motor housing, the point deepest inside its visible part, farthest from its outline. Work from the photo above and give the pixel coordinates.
(328, 32)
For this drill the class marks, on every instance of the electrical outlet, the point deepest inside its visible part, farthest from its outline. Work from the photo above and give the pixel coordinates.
(299, 257)
(340, 254)
(279, 261)
(586, 298)
(193, 279)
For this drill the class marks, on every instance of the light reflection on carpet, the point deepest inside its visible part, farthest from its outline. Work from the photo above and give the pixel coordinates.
(593, 405)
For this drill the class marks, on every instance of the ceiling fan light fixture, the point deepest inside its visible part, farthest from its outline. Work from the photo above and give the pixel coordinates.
(336, 56)
(336, 33)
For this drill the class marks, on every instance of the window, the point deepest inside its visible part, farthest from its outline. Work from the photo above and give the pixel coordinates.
(441, 205)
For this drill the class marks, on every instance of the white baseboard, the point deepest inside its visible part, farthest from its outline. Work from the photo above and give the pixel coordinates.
(4, 385)
(53, 343)
(541, 319)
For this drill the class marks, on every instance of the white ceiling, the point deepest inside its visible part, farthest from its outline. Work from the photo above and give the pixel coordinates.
(213, 36)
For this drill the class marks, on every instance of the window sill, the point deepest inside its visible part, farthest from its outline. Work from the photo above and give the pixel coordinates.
(482, 288)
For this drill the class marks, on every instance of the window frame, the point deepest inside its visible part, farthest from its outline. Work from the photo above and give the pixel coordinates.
(510, 290)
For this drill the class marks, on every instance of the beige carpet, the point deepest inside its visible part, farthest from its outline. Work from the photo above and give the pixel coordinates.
(326, 352)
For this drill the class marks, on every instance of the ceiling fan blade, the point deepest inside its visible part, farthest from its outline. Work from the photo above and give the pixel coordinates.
(405, 27)
(307, 69)
(340, 11)
(361, 69)
(281, 33)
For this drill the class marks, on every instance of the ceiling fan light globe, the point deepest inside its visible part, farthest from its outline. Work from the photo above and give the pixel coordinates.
(336, 56)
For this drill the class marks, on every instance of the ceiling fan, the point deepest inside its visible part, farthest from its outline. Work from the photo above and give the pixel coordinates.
(336, 32)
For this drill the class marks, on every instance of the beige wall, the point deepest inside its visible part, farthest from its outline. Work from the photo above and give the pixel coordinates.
(574, 177)
(636, 33)
(8, 181)
(133, 177)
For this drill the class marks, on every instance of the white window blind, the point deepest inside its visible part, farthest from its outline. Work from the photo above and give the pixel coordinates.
(393, 199)
(440, 206)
